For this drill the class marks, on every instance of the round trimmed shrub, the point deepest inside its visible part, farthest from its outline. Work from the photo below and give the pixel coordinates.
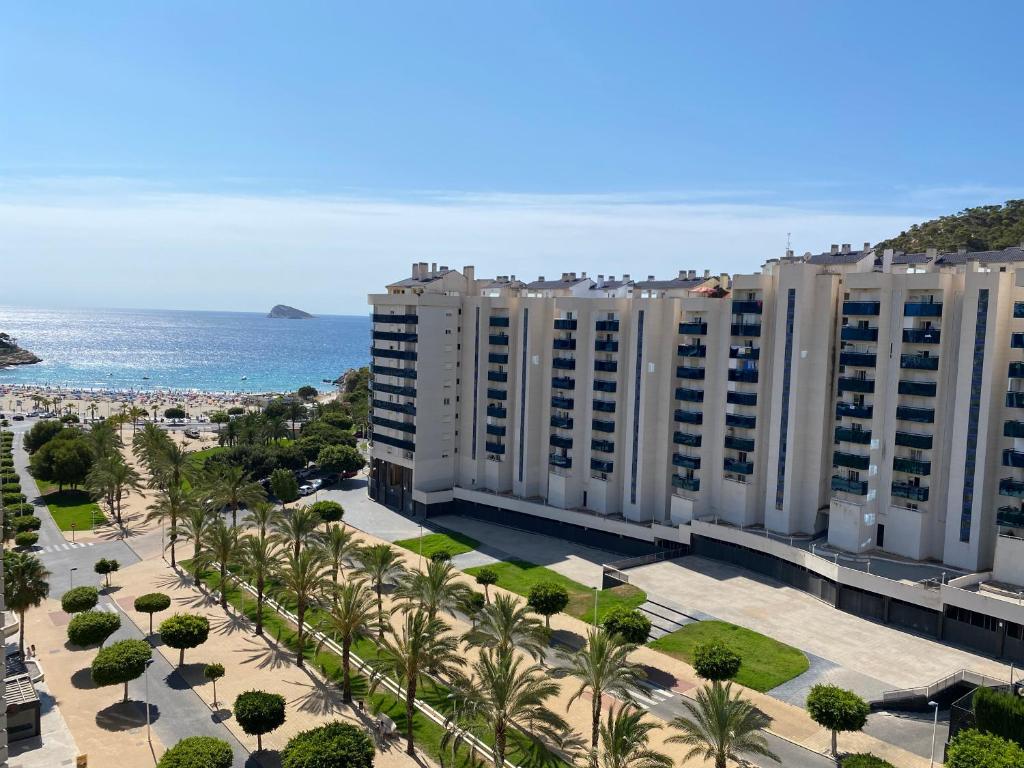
(184, 630)
(26, 538)
(26, 523)
(837, 709)
(152, 602)
(974, 749)
(12, 487)
(335, 745)
(716, 661)
(630, 624)
(259, 712)
(92, 627)
(105, 567)
(485, 577)
(22, 508)
(198, 752)
(120, 663)
(13, 498)
(547, 599)
(80, 599)
(328, 511)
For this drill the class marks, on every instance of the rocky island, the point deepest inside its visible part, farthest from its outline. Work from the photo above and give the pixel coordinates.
(288, 313)
(12, 354)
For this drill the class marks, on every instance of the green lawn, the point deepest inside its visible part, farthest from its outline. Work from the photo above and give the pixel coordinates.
(70, 506)
(520, 576)
(766, 662)
(453, 543)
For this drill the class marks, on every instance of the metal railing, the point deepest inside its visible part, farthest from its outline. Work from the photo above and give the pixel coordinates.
(930, 691)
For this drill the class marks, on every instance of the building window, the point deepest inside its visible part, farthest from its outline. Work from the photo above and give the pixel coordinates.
(980, 327)
(787, 368)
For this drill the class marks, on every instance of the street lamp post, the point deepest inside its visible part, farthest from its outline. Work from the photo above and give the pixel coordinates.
(149, 736)
(935, 730)
(595, 606)
(71, 577)
(421, 545)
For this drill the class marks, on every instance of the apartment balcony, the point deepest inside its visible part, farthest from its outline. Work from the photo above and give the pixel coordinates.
(1013, 458)
(919, 415)
(1016, 370)
(745, 329)
(919, 362)
(909, 491)
(1018, 309)
(739, 443)
(1015, 399)
(689, 373)
(602, 446)
(687, 462)
(565, 403)
(499, 376)
(858, 359)
(846, 485)
(921, 335)
(741, 398)
(564, 363)
(745, 353)
(853, 333)
(607, 326)
(862, 308)
(560, 441)
(1010, 487)
(601, 465)
(914, 440)
(850, 460)
(690, 395)
(498, 339)
(402, 336)
(746, 307)
(737, 467)
(497, 411)
(911, 466)
(1017, 340)
(606, 366)
(562, 422)
(399, 319)
(686, 483)
(606, 346)
(498, 321)
(603, 385)
(498, 430)
(917, 388)
(692, 350)
(740, 421)
(558, 460)
(401, 426)
(385, 405)
(393, 389)
(685, 438)
(394, 442)
(494, 393)
(848, 435)
(394, 354)
(693, 328)
(388, 370)
(604, 406)
(853, 384)
(500, 358)
(601, 425)
(493, 447)
(565, 324)
(563, 382)
(854, 411)
(748, 375)
(564, 344)
(1010, 517)
(1013, 429)
(922, 309)
(688, 417)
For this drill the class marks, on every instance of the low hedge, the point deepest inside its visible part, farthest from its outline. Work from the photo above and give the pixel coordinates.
(26, 538)
(1000, 713)
(198, 752)
(13, 498)
(22, 508)
(92, 627)
(864, 760)
(335, 745)
(26, 523)
(11, 487)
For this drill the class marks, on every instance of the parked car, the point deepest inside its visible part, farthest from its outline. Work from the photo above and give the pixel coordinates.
(18, 417)
(192, 432)
(306, 489)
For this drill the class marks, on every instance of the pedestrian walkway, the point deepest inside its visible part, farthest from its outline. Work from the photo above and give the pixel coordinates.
(63, 547)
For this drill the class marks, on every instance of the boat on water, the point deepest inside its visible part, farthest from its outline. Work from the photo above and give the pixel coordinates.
(244, 378)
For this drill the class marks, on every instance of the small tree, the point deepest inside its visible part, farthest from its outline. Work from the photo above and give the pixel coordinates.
(306, 392)
(632, 625)
(441, 556)
(837, 709)
(175, 412)
(120, 663)
(284, 485)
(340, 458)
(105, 567)
(259, 712)
(335, 745)
(213, 673)
(973, 749)
(328, 511)
(196, 752)
(715, 661)
(26, 539)
(152, 602)
(92, 627)
(485, 577)
(184, 630)
(547, 599)
(79, 599)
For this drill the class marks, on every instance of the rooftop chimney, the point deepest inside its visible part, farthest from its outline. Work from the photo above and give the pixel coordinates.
(835, 248)
(962, 249)
(707, 273)
(692, 275)
(682, 274)
(650, 277)
(415, 270)
(469, 273)
(846, 247)
(540, 279)
(887, 260)
(625, 277)
(931, 253)
(583, 275)
(789, 253)
(433, 268)
(443, 270)
(867, 246)
(513, 278)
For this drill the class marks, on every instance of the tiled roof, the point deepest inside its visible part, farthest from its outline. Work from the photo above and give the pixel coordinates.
(410, 281)
(909, 258)
(837, 259)
(1011, 254)
(554, 285)
(611, 285)
(668, 285)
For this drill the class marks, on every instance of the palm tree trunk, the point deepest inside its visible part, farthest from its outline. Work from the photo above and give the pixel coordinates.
(259, 608)
(234, 513)
(410, 711)
(346, 686)
(300, 616)
(500, 738)
(595, 726)
(380, 614)
(174, 536)
(224, 586)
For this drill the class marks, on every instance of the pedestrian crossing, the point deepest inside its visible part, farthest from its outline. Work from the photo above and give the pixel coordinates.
(65, 546)
(651, 697)
(107, 608)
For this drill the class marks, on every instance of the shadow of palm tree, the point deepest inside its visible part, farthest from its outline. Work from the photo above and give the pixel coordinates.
(264, 656)
(320, 698)
(231, 624)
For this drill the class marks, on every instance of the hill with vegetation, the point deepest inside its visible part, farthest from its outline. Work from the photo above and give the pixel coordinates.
(985, 228)
(283, 311)
(12, 354)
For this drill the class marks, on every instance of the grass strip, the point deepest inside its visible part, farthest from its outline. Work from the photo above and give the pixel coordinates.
(453, 543)
(71, 508)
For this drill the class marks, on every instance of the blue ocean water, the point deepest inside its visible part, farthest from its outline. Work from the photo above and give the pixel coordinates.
(208, 351)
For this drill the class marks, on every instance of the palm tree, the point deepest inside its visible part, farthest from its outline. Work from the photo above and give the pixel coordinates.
(302, 578)
(172, 465)
(220, 547)
(624, 737)
(230, 486)
(92, 408)
(113, 478)
(193, 527)
(339, 545)
(102, 439)
(381, 564)
(436, 589)
(298, 528)
(721, 726)
(296, 412)
(421, 646)
(171, 505)
(506, 624)
(25, 587)
(502, 693)
(602, 666)
(257, 559)
(274, 428)
(263, 515)
(148, 443)
(134, 413)
(352, 615)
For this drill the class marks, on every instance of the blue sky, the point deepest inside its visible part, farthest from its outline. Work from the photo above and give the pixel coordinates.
(241, 141)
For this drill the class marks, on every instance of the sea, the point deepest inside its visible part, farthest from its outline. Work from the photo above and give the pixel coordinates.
(155, 349)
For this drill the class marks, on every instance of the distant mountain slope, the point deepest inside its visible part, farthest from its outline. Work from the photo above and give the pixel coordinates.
(12, 354)
(288, 313)
(985, 228)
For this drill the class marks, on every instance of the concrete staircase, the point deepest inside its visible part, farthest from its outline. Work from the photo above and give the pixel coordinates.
(665, 619)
